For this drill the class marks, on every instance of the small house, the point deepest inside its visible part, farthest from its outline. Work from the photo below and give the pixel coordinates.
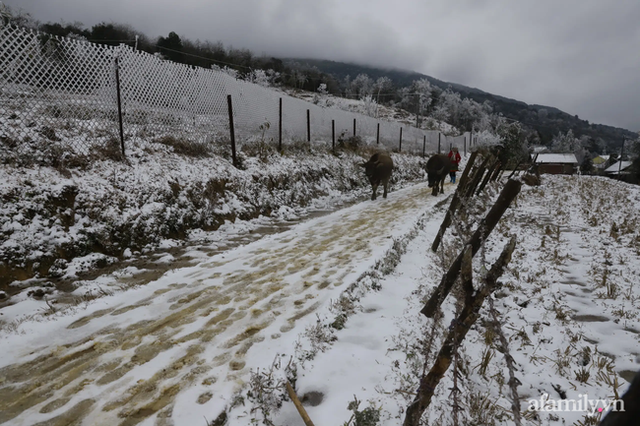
(618, 168)
(600, 162)
(554, 163)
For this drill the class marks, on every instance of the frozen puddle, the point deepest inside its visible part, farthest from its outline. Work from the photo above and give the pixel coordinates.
(129, 357)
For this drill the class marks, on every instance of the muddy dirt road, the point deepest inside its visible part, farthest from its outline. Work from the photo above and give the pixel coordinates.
(151, 354)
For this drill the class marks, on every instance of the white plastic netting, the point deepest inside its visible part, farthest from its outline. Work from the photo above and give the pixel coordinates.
(62, 94)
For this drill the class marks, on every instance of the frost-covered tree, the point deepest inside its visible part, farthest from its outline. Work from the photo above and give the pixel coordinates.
(362, 86)
(487, 138)
(564, 142)
(259, 77)
(370, 105)
(422, 90)
(514, 141)
(381, 85)
(448, 107)
(406, 98)
(171, 47)
(273, 76)
(484, 120)
(18, 18)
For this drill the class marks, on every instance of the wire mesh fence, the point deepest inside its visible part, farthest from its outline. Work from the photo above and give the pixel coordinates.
(73, 97)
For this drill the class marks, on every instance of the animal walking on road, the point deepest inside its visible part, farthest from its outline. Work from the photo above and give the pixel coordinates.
(438, 167)
(378, 169)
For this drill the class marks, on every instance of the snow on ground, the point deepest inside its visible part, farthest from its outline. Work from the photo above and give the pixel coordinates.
(159, 349)
(191, 343)
(569, 307)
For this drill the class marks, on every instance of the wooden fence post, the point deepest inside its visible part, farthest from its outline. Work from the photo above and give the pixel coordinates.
(378, 135)
(439, 139)
(424, 145)
(455, 201)
(400, 144)
(308, 126)
(490, 171)
(477, 176)
(457, 331)
(497, 172)
(509, 192)
(303, 413)
(354, 127)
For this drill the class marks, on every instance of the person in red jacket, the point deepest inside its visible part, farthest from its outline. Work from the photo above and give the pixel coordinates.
(454, 157)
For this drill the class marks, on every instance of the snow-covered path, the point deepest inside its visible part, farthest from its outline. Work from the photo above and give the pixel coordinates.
(190, 337)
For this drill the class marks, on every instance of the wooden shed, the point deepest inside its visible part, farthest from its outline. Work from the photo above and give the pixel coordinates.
(558, 164)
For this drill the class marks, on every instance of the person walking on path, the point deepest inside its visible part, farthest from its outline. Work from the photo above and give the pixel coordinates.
(454, 157)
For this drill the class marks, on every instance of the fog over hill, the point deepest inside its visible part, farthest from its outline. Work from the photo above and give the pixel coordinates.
(548, 121)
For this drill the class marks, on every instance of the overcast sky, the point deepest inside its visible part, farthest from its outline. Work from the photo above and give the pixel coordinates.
(582, 56)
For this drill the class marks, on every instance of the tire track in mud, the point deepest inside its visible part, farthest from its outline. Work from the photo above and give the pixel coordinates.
(200, 328)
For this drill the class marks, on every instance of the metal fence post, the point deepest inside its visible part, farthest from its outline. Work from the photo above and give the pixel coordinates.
(400, 144)
(119, 106)
(308, 126)
(378, 135)
(232, 132)
(280, 127)
(354, 127)
(424, 144)
(439, 135)
(333, 135)
(465, 145)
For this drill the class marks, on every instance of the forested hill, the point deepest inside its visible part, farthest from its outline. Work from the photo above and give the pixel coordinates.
(546, 120)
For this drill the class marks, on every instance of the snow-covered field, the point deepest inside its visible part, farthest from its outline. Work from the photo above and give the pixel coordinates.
(333, 305)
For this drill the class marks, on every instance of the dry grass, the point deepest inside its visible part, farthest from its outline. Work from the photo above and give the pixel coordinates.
(186, 147)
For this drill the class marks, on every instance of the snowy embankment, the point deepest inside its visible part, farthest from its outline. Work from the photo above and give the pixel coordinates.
(57, 223)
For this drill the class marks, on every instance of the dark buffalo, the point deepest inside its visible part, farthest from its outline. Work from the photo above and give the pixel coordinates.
(438, 167)
(378, 169)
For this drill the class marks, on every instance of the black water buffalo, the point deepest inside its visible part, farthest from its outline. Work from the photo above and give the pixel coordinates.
(438, 167)
(378, 169)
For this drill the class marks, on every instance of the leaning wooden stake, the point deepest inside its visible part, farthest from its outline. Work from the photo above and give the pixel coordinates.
(477, 176)
(497, 172)
(456, 334)
(504, 348)
(490, 171)
(303, 413)
(509, 192)
(455, 201)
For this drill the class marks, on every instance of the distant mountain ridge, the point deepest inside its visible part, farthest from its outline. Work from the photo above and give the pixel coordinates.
(547, 121)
